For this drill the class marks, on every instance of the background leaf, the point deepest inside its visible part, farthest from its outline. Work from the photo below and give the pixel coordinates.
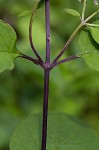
(72, 12)
(8, 51)
(25, 13)
(89, 50)
(64, 132)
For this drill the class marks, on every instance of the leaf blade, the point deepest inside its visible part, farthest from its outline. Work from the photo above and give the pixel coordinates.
(8, 50)
(64, 132)
(72, 12)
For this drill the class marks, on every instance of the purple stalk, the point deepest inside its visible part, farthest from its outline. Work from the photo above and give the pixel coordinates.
(46, 76)
(45, 109)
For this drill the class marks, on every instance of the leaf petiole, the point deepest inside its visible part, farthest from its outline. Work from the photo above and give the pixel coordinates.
(83, 11)
(92, 25)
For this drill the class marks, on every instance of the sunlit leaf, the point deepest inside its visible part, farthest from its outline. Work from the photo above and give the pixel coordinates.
(8, 51)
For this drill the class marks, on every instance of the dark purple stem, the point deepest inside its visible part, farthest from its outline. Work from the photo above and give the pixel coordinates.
(45, 109)
(46, 76)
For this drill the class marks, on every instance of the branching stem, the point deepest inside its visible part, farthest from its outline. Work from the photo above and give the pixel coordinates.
(47, 66)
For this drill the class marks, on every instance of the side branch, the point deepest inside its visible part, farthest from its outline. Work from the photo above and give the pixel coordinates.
(35, 61)
(31, 40)
(68, 43)
(65, 60)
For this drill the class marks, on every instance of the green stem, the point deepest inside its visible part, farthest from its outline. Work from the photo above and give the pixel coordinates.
(92, 25)
(91, 16)
(83, 11)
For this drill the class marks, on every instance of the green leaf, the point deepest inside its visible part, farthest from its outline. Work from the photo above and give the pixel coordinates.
(36, 5)
(8, 51)
(25, 13)
(72, 12)
(64, 133)
(95, 33)
(89, 50)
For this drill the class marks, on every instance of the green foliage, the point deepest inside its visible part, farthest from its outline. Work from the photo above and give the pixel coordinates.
(25, 98)
(64, 132)
(89, 50)
(72, 12)
(8, 51)
(25, 13)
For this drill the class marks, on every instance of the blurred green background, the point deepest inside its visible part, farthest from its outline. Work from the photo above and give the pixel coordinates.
(74, 88)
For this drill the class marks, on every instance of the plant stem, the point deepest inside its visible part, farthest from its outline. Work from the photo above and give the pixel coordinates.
(92, 25)
(46, 76)
(83, 11)
(92, 15)
(45, 108)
